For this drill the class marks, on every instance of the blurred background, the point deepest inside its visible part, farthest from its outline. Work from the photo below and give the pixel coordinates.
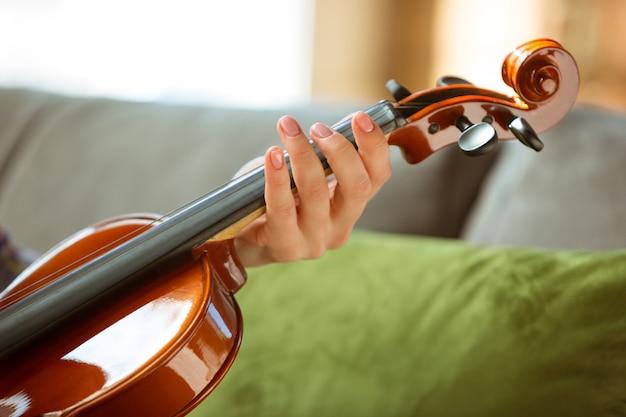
(275, 53)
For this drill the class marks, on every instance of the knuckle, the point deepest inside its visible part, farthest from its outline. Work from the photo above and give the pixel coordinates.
(317, 191)
(336, 144)
(287, 253)
(380, 146)
(340, 239)
(285, 256)
(343, 145)
(282, 209)
(385, 173)
(316, 250)
(376, 144)
(362, 190)
(308, 251)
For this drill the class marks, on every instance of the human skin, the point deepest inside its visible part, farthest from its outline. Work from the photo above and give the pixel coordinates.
(323, 213)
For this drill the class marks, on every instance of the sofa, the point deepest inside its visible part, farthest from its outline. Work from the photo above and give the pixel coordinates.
(472, 286)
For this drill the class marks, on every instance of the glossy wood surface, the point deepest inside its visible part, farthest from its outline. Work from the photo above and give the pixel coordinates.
(158, 338)
(544, 78)
(154, 349)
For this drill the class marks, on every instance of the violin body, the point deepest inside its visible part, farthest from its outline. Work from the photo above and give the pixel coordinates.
(153, 348)
(136, 315)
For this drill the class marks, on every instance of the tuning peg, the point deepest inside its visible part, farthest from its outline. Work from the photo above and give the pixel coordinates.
(451, 80)
(525, 133)
(397, 90)
(476, 139)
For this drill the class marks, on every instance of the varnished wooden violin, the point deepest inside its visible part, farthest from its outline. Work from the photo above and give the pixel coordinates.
(136, 315)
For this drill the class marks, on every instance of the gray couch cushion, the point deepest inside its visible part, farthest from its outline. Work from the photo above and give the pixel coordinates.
(432, 198)
(15, 117)
(570, 195)
(83, 160)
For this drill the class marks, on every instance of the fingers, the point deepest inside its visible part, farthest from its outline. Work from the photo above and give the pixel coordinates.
(308, 175)
(359, 174)
(373, 148)
(278, 233)
(324, 219)
(313, 200)
(322, 213)
(347, 163)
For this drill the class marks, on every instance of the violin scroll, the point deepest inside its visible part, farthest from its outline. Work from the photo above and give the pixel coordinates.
(544, 78)
(155, 285)
(532, 70)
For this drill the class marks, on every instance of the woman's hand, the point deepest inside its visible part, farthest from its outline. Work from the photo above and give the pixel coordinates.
(323, 213)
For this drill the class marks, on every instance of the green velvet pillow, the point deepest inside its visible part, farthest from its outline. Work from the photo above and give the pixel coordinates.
(404, 326)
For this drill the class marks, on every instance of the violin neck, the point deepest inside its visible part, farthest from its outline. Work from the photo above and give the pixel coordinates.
(236, 203)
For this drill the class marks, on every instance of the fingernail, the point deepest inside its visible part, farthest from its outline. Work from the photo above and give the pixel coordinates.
(321, 130)
(289, 126)
(277, 158)
(365, 123)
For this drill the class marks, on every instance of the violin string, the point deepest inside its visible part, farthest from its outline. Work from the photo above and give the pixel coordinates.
(26, 290)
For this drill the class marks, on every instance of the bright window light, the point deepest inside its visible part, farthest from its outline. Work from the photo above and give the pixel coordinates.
(242, 53)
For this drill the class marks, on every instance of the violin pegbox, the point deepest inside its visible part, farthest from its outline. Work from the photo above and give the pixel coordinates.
(544, 79)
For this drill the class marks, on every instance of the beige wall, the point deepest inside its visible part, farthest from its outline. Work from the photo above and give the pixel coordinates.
(595, 32)
(359, 44)
(472, 38)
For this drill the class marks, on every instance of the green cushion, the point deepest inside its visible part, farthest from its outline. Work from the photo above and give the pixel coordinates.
(404, 326)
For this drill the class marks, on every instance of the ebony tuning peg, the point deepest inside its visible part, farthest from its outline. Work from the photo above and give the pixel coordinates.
(480, 138)
(397, 90)
(476, 139)
(451, 80)
(525, 133)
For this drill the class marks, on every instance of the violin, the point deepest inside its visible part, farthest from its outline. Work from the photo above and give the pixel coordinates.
(136, 315)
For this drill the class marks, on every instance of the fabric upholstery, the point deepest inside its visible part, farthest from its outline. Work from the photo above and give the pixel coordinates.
(82, 160)
(570, 195)
(406, 326)
(390, 324)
